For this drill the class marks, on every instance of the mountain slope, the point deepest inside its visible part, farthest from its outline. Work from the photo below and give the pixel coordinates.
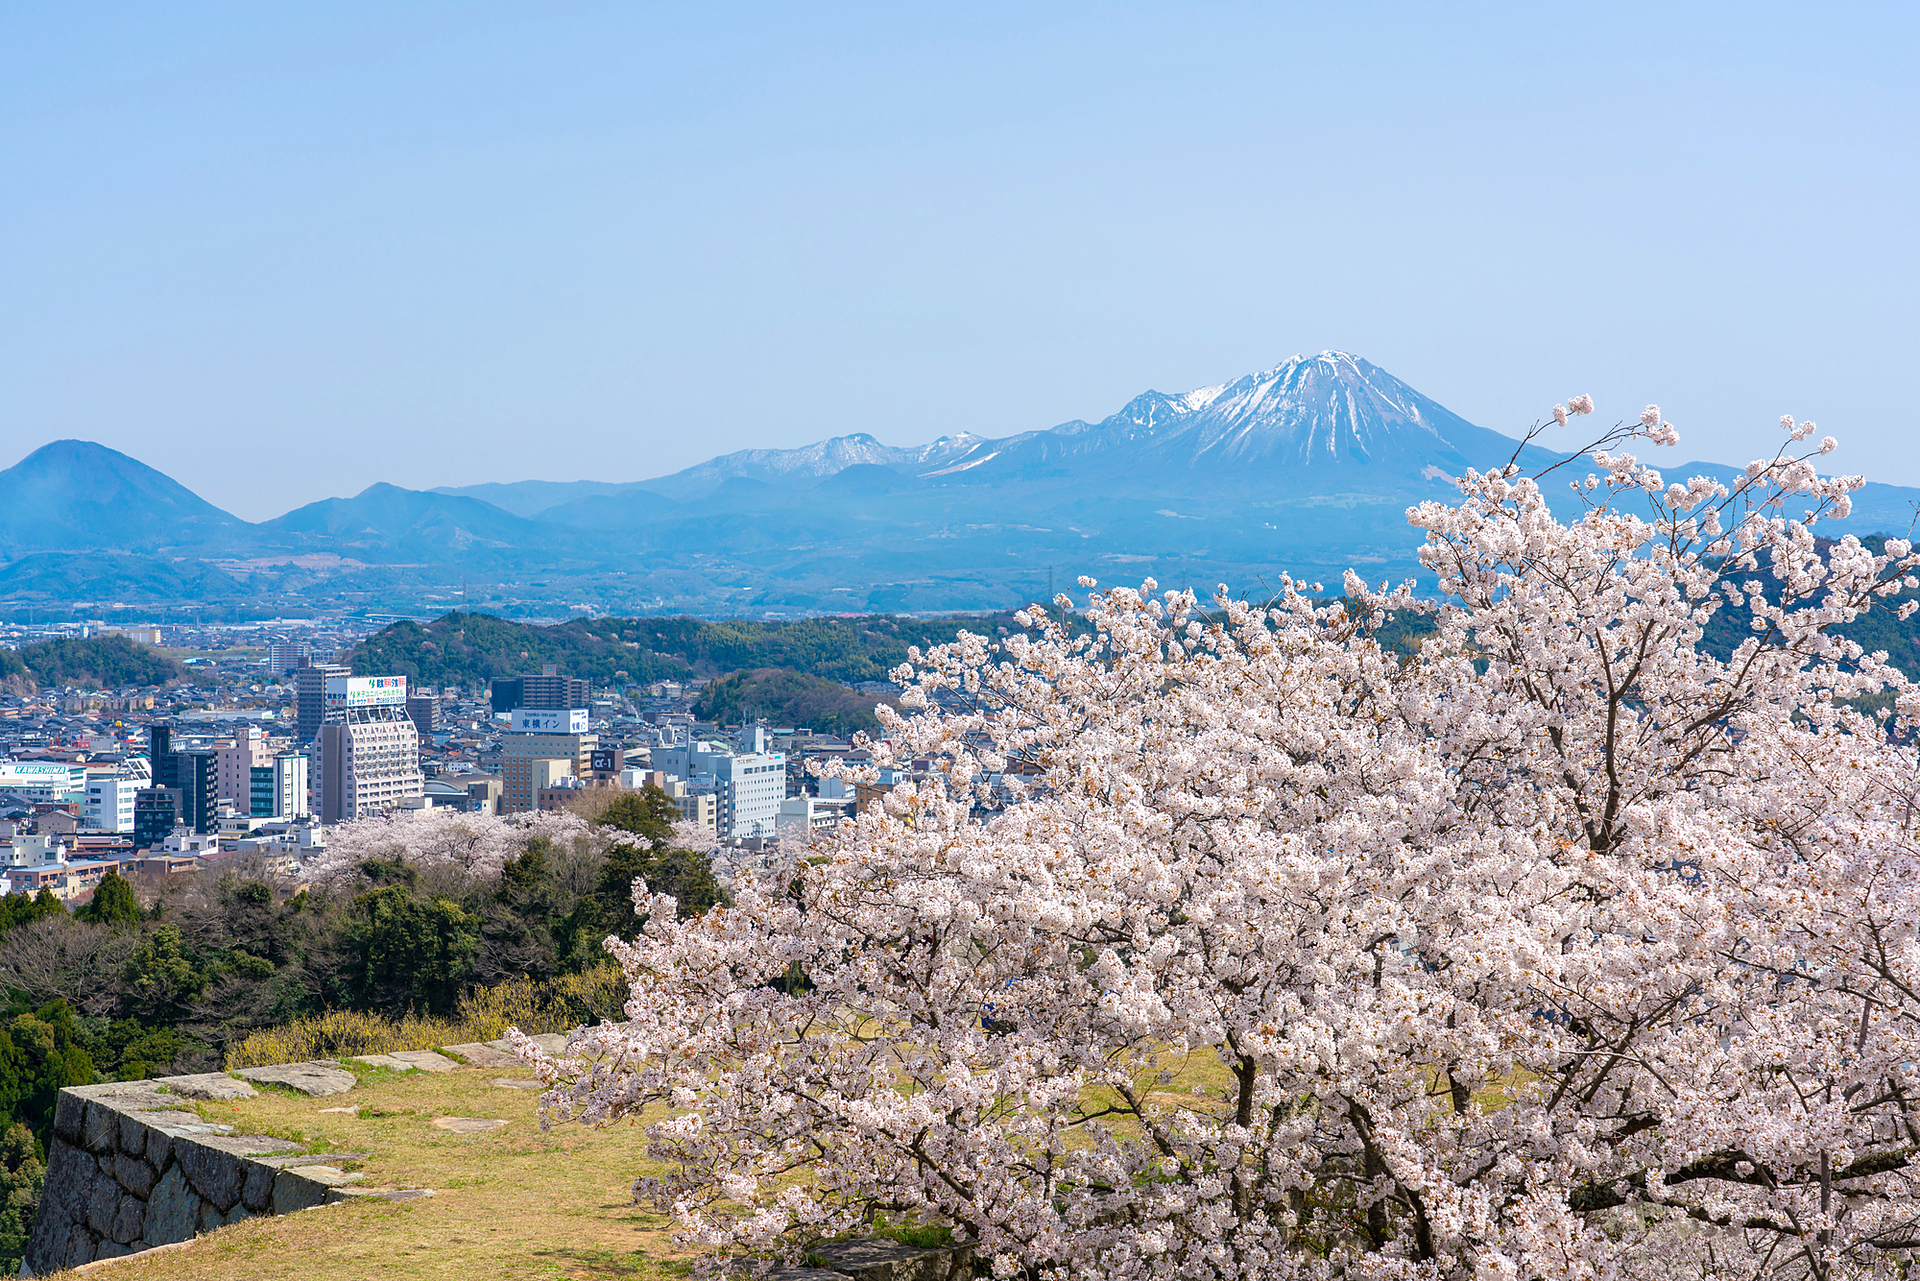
(532, 497)
(810, 463)
(1315, 423)
(1321, 421)
(75, 495)
(387, 520)
(1307, 467)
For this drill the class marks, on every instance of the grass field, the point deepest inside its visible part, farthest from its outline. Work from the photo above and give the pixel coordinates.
(513, 1203)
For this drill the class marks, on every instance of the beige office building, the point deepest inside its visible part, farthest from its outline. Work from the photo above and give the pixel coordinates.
(530, 761)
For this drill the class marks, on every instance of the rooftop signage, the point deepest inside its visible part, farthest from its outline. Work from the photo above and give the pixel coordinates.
(541, 720)
(365, 691)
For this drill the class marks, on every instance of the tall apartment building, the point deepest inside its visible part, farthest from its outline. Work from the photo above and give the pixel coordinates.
(237, 763)
(537, 740)
(193, 777)
(279, 790)
(424, 713)
(551, 691)
(156, 812)
(109, 803)
(291, 779)
(310, 698)
(504, 693)
(197, 776)
(284, 656)
(368, 757)
(548, 691)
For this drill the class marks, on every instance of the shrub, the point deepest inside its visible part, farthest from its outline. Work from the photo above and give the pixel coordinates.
(483, 1014)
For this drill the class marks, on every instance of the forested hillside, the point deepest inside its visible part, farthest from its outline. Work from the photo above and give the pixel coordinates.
(786, 697)
(103, 662)
(471, 649)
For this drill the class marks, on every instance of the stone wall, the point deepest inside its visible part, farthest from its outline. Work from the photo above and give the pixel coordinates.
(132, 1166)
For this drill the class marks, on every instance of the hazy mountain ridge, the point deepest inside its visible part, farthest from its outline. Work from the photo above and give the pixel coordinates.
(1306, 467)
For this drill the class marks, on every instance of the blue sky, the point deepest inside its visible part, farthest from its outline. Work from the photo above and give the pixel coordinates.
(284, 251)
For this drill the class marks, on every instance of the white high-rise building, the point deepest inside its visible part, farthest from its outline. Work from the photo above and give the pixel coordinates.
(369, 751)
(284, 656)
(748, 783)
(108, 806)
(290, 785)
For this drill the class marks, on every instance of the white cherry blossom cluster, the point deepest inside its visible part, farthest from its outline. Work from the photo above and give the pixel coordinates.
(476, 845)
(1228, 942)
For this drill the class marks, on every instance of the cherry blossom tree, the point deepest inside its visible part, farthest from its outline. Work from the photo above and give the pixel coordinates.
(1561, 948)
(472, 845)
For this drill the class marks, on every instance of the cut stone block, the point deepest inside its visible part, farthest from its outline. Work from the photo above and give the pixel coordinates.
(289, 1159)
(173, 1211)
(247, 1144)
(482, 1055)
(318, 1078)
(293, 1190)
(383, 1060)
(465, 1124)
(331, 1175)
(554, 1043)
(207, 1085)
(425, 1060)
(519, 1084)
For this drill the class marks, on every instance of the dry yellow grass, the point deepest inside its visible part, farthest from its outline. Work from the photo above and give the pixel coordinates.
(533, 1005)
(513, 1204)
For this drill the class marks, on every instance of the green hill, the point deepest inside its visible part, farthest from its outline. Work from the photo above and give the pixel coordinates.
(471, 649)
(101, 662)
(783, 696)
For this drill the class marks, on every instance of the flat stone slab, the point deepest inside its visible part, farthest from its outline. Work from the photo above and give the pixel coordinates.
(289, 1160)
(216, 1086)
(247, 1144)
(465, 1124)
(179, 1124)
(481, 1055)
(351, 1110)
(516, 1083)
(554, 1043)
(318, 1078)
(425, 1060)
(331, 1175)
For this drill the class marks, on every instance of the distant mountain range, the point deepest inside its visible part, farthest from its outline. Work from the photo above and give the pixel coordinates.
(1307, 467)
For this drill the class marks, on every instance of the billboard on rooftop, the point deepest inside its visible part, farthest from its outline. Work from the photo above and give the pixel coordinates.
(345, 692)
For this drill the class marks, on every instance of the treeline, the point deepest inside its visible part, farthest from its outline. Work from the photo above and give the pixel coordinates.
(786, 697)
(99, 662)
(122, 989)
(472, 649)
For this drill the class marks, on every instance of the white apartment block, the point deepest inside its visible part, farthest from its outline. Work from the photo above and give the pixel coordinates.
(748, 785)
(290, 785)
(368, 762)
(108, 805)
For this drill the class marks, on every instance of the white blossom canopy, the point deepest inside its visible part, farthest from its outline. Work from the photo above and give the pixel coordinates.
(1559, 948)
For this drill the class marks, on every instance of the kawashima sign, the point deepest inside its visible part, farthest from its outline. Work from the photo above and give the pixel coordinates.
(366, 691)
